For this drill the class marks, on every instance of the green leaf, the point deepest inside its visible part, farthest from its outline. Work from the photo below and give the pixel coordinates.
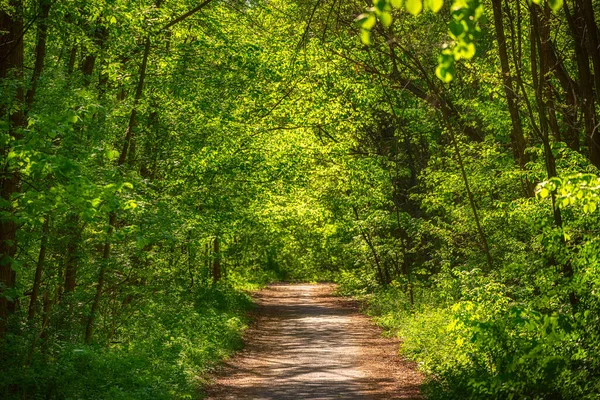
(414, 6)
(365, 36)
(386, 18)
(369, 22)
(396, 3)
(445, 73)
(381, 5)
(112, 154)
(434, 5)
(456, 28)
(555, 5)
(467, 50)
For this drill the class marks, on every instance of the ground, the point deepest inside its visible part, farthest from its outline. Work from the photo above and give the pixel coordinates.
(307, 343)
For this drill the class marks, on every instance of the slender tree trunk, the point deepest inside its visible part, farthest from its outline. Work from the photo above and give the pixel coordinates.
(40, 51)
(72, 256)
(593, 41)
(570, 90)
(11, 66)
(459, 159)
(89, 329)
(517, 138)
(89, 62)
(72, 60)
(129, 133)
(539, 41)
(38, 270)
(578, 28)
(207, 258)
(112, 218)
(216, 267)
(369, 243)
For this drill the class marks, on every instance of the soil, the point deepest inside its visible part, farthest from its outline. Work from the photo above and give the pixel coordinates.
(306, 343)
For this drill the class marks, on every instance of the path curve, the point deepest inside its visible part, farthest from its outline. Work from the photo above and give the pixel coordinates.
(308, 344)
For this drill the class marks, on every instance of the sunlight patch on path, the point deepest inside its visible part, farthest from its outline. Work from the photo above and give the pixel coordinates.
(308, 344)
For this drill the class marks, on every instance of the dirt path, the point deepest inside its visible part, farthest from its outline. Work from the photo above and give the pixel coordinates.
(307, 344)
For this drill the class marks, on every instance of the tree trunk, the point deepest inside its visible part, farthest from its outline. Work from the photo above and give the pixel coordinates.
(369, 243)
(539, 40)
(40, 50)
(578, 28)
(517, 138)
(11, 66)
(593, 41)
(570, 89)
(89, 329)
(38, 270)
(216, 267)
(72, 257)
(112, 218)
(129, 134)
(100, 34)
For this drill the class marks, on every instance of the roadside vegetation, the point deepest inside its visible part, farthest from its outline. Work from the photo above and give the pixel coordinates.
(162, 158)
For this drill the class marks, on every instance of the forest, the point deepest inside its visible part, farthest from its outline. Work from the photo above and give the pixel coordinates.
(163, 159)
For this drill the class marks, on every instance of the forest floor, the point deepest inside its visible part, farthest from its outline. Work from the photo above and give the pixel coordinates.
(306, 343)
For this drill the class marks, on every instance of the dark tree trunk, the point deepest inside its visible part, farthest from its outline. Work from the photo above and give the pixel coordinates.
(593, 41)
(40, 51)
(112, 218)
(38, 270)
(72, 257)
(571, 90)
(540, 36)
(578, 28)
(129, 133)
(89, 62)
(89, 329)
(11, 66)
(369, 242)
(72, 60)
(517, 138)
(216, 267)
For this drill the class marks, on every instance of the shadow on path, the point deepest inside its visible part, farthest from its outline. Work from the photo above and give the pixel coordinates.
(308, 344)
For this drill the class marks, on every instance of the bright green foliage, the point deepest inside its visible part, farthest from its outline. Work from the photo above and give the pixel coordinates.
(268, 143)
(173, 339)
(463, 28)
(579, 189)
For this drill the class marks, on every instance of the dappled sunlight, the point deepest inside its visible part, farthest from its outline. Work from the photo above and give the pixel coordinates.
(311, 345)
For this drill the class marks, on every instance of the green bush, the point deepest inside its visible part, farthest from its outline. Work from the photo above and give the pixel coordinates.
(162, 353)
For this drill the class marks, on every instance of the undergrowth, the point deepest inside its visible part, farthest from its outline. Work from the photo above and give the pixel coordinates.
(164, 351)
(482, 344)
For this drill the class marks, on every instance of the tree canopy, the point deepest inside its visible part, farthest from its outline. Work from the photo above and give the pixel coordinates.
(162, 158)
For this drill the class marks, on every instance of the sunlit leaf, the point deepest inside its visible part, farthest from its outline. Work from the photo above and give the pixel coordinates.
(414, 6)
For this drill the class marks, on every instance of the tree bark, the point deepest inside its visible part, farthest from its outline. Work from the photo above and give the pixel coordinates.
(593, 41)
(539, 40)
(38, 270)
(11, 66)
(89, 329)
(72, 257)
(216, 267)
(517, 137)
(578, 28)
(89, 62)
(369, 243)
(40, 51)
